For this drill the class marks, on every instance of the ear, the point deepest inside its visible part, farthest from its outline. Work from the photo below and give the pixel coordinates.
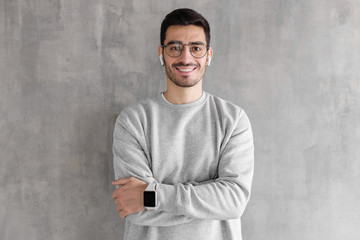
(161, 59)
(208, 60)
(161, 56)
(209, 56)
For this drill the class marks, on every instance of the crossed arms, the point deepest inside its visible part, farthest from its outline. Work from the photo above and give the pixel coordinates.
(220, 199)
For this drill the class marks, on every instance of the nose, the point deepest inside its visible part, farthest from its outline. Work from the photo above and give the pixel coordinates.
(186, 55)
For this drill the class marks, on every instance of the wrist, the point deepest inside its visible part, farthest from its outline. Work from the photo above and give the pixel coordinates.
(150, 196)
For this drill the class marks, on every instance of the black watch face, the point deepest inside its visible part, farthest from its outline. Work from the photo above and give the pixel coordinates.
(149, 199)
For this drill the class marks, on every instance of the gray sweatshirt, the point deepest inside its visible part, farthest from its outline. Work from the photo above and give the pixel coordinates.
(200, 154)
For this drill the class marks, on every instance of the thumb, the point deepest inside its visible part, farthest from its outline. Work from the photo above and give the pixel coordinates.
(120, 181)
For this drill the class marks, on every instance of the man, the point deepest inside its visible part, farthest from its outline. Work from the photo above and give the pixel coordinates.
(183, 159)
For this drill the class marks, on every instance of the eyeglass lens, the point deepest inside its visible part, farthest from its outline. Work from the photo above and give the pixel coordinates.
(197, 50)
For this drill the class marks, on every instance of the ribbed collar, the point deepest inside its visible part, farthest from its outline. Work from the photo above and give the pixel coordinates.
(198, 102)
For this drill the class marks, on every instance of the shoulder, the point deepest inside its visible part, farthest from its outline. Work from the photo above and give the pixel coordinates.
(232, 118)
(226, 109)
(135, 115)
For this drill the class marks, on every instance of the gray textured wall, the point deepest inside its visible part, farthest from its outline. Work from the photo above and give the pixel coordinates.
(67, 67)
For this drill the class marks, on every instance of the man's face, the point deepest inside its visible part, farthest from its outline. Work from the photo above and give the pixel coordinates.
(185, 70)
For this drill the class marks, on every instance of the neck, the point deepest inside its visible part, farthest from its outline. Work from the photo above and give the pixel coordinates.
(182, 95)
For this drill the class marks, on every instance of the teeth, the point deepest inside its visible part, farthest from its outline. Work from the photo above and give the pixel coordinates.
(185, 69)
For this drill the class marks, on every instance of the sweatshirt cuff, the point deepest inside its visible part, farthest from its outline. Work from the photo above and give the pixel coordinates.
(166, 197)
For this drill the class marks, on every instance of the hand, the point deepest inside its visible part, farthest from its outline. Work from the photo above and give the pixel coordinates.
(129, 196)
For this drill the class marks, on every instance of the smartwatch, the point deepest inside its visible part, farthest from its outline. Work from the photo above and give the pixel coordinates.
(150, 199)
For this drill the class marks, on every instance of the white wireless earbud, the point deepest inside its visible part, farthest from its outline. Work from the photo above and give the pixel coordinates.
(161, 58)
(208, 61)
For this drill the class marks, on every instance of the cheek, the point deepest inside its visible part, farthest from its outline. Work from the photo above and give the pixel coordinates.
(203, 64)
(168, 62)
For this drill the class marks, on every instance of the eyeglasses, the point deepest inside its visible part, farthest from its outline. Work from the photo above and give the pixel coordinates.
(175, 48)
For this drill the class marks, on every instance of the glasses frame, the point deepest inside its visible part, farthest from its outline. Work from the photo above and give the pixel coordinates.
(183, 47)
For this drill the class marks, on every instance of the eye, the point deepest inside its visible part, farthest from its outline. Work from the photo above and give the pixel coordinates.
(196, 48)
(174, 47)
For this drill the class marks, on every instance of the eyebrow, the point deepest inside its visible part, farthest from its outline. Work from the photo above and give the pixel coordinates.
(198, 43)
(174, 42)
(179, 42)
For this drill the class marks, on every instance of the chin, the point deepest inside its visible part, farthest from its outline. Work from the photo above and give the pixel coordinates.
(185, 84)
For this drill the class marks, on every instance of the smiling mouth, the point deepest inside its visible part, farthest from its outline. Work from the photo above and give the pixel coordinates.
(186, 70)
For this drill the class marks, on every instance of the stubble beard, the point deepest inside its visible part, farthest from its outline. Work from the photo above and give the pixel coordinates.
(185, 84)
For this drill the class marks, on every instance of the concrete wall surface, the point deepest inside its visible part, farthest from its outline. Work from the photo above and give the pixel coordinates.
(68, 67)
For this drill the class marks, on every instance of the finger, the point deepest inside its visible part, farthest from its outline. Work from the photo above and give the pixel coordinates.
(120, 181)
(114, 195)
(119, 208)
(123, 214)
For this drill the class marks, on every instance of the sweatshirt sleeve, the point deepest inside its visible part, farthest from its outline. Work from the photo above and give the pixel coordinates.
(130, 160)
(225, 197)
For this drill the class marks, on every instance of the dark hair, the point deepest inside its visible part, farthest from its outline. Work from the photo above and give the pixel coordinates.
(184, 17)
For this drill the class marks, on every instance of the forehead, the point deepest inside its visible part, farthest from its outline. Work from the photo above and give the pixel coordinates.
(185, 34)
